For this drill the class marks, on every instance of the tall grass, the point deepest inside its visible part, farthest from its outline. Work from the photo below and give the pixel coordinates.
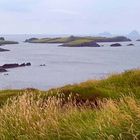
(29, 117)
(107, 109)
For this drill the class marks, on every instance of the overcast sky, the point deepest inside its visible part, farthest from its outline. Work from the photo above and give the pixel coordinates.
(69, 16)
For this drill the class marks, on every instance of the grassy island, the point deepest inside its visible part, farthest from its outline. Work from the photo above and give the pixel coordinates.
(97, 109)
(74, 41)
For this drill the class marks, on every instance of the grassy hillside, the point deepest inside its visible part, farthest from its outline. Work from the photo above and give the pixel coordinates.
(107, 109)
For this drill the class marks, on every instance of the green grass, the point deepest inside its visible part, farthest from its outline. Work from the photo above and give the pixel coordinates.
(107, 109)
(6, 94)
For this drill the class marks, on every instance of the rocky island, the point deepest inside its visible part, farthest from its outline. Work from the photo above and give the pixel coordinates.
(6, 42)
(74, 41)
(116, 45)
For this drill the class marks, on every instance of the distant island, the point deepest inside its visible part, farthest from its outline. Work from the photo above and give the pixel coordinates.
(74, 41)
(6, 42)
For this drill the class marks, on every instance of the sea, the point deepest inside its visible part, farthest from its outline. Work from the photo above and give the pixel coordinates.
(63, 65)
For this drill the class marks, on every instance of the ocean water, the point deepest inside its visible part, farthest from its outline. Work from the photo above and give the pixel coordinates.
(64, 65)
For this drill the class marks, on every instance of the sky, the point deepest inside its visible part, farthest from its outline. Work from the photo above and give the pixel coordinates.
(69, 16)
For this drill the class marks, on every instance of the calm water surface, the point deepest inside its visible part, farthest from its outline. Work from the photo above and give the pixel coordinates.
(63, 65)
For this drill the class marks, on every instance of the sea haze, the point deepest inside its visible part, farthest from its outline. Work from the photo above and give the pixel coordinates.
(64, 65)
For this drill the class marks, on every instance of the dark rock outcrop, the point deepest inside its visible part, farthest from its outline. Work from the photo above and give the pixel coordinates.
(8, 66)
(116, 45)
(3, 50)
(138, 40)
(42, 65)
(15, 65)
(28, 64)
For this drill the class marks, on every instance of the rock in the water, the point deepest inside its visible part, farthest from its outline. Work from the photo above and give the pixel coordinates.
(130, 45)
(28, 64)
(9, 66)
(116, 45)
(42, 65)
(3, 50)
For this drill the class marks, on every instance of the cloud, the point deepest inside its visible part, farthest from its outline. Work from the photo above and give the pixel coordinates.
(68, 16)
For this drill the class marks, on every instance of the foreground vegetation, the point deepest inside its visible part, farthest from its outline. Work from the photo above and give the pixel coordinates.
(107, 109)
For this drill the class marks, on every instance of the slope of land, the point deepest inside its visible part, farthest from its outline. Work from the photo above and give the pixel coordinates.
(96, 109)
